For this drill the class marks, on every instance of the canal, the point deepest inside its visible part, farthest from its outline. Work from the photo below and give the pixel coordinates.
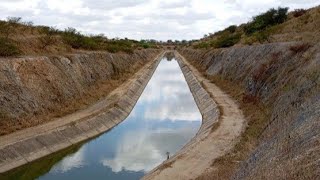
(164, 119)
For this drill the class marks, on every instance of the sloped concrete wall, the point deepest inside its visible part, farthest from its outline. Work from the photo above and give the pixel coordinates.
(27, 149)
(210, 116)
(207, 106)
(35, 85)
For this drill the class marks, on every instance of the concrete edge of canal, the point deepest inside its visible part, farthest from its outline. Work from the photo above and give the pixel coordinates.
(22, 149)
(222, 125)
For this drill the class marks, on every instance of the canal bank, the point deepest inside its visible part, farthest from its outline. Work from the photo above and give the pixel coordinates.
(222, 125)
(162, 121)
(33, 143)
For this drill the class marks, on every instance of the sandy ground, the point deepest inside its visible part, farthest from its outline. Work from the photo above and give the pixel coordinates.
(196, 157)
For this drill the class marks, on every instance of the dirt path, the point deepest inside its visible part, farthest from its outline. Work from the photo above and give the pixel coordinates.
(197, 156)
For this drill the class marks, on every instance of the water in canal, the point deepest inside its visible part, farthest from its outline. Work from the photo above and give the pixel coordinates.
(164, 119)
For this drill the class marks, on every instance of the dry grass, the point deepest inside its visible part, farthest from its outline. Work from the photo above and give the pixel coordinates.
(302, 28)
(300, 48)
(257, 116)
(166, 165)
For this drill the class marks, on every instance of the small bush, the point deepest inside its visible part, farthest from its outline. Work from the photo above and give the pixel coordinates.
(123, 45)
(300, 47)
(47, 37)
(267, 19)
(112, 48)
(249, 40)
(14, 20)
(76, 40)
(5, 29)
(145, 46)
(231, 28)
(262, 36)
(299, 12)
(7, 48)
(227, 40)
(202, 45)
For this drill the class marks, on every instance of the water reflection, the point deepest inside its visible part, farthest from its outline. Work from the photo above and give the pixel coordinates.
(75, 160)
(163, 120)
(165, 100)
(142, 151)
(167, 96)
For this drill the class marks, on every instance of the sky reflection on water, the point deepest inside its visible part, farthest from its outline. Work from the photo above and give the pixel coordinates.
(164, 119)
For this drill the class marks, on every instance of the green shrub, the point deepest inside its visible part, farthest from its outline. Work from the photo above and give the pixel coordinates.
(76, 40)
(202, 45)
(146, 46)
(48, 30)
(267, 19)
(231, 28)
(72, 37)
(262, 36)
(227, 40)
(112, 48)
(249, 40)
(123, 45)
(7, 48)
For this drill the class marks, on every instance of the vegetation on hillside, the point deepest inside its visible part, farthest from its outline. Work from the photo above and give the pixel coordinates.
(18, 37)
(7, 48)
(275, 25)
(271, 26)
(263, 21)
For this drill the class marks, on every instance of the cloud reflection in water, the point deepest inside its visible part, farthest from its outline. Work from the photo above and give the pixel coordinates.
(163, 120)
(70, 162)
(142, 151)
(166, 99)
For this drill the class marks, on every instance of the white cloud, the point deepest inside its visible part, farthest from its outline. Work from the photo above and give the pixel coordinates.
(167, 95)
(148, 19)
(72, 161)
(143, 150)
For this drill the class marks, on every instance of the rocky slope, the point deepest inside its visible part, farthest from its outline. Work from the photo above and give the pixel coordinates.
(285, 78)
(32, 87)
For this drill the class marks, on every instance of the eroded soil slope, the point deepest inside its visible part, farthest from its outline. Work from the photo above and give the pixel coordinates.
(284, 78)
(34, 90)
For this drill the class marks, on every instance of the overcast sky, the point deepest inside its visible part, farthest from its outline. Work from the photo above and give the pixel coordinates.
(143, 19)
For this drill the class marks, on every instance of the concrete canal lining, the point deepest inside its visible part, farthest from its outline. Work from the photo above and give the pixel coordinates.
(217, 135)
(222, 124)
(24, 146)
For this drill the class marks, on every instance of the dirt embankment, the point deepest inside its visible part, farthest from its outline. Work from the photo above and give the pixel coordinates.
(284, 78)
(34, 90)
